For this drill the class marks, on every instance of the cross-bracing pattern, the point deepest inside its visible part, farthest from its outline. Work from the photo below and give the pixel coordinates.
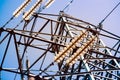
(59, 47)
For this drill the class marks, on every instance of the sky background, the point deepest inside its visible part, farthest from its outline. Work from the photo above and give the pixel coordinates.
(92, 11)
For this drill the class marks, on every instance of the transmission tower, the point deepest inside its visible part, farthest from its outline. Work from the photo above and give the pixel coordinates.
(58, 47)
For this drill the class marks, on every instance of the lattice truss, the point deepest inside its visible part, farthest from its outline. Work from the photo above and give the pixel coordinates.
(59, 47)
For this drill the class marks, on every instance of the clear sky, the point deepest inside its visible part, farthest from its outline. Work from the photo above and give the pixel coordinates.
(92, 11)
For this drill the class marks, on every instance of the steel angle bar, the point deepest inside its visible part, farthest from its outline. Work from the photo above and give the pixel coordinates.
(110, 54)
(82, 58)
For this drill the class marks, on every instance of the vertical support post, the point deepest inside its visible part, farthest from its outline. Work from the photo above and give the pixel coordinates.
(18, 57)
(27, 66)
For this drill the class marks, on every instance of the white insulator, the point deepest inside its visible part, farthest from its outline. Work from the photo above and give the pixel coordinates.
(55, 58)
(82, 46)
(61, 52)
(58, 61)
(66, 53)
(80, 40)
(63, 56)
(73, 56)
(49, 3)
(89, 47)
(73, 62)
(78, 36)
(58, 55)
(78, 57)
(83, 52)
(70, 64)
(85, 44)
(71, 49)
(73, 41)
(75, 59)
(78, 51)
(86, 50)
(70, 58)
(70, 43)
(73, 46)
(67, 61)
(28, 14)
(17, 12)
(65, 48)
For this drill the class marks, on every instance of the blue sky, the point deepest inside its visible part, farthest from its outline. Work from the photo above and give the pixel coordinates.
(89, 10)
(92, 11)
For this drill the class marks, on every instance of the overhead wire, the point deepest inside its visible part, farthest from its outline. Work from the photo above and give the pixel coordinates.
(109, 13)
(103, 19)
(68, 5)
(100, 24)
(18, 11)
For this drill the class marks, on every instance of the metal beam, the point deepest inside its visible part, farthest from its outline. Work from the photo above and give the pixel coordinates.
(82, 58)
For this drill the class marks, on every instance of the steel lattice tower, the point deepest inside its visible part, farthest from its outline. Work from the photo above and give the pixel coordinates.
(59, 47)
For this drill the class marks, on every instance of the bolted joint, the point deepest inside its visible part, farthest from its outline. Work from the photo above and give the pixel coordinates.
(0, 68)
(1, 30)
(100, 26)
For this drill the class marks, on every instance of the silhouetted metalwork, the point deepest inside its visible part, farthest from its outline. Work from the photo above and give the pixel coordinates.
(34, 45)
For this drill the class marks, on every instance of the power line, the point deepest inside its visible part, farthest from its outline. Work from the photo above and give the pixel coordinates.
(109, 13)
(68, 5)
